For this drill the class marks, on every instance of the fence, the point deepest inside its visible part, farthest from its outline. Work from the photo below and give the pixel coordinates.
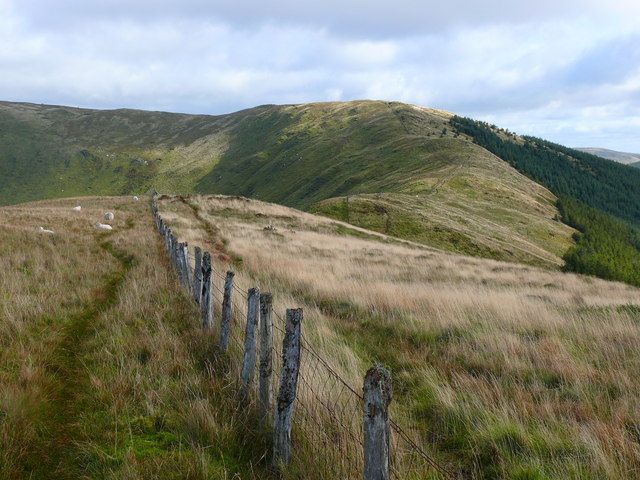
(319, 422)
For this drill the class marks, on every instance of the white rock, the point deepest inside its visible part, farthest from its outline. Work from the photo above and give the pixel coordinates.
(109, 216)
(135, 199)
(103, 226)
(77, 209)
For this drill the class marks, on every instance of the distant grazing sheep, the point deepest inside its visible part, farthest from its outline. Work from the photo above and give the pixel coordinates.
(43, 230)
(109, 216)
(77, 209)
(135, 198)
(103, 226)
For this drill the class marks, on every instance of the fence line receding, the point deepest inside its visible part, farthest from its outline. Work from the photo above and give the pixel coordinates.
(320, 426)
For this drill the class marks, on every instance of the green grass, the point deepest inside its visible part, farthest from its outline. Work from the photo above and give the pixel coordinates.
(307, 156)
(113, 379)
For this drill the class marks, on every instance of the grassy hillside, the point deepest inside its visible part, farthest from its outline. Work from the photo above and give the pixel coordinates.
(500, 370)
(104, 370)
(599, 198)
(404, 171)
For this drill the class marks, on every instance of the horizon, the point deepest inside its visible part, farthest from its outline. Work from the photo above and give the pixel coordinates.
(568, 73)
(577, 147)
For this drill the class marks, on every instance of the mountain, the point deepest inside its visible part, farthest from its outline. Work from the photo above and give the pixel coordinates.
(599, 198)
(620, 157)
(414, 173)
(387, 166)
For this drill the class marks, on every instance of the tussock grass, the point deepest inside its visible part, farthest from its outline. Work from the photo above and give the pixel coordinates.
(104, 370)
(501, 370)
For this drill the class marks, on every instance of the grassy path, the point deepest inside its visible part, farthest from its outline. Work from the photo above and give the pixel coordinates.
(60, 457)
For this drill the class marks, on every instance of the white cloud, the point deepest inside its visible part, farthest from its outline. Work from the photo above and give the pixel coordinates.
(567, 70)
(368, 52)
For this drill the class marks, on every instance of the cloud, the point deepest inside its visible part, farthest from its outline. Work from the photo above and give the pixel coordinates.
(569, 70)
(369, 18)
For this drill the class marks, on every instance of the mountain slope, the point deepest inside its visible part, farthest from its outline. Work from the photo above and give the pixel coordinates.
(599, 198)
(620, 157)
(502, 371)
(404, 170)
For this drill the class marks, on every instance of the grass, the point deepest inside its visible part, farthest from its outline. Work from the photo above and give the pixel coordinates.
(500, 370)
(404, 170)
(104, 370)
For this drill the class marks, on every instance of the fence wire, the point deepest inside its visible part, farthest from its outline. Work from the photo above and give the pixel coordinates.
(327, 434)
(328, 421)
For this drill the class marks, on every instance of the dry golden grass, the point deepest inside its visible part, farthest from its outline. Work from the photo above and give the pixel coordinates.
(104, 370)
(502, 370)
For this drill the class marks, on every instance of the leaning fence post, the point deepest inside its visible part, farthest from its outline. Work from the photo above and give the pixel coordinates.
(377, 396)
(249, 358)
(225, 322)
(288, 386)
(266, 355)
(197, 276)
(205, 295)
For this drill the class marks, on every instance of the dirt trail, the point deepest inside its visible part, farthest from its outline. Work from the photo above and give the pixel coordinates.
(59, 456)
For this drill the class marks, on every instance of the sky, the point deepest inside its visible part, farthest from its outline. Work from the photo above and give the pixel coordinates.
(564, 70)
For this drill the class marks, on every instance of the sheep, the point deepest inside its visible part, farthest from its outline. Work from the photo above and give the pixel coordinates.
(77, 209)
(109, 216)
(135, 198)
(43, 230)
(103, 226)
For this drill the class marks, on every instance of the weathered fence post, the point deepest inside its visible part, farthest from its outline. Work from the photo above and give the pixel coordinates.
(186, 270)
(288, 387)
(205, 295)
(174, 252)
(249, 358)
(266, 355)
(225, 322)
(180, 262)
(197, 276)
(170, 245)
(377, 396)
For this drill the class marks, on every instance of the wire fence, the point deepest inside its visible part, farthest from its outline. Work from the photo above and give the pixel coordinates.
(327, 434)
(328, 421)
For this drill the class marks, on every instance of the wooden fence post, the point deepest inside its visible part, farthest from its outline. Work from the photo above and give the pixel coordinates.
(205, 296)
(377, 396)
(249, 358)
(266, 355)
(177, 251)
(197, 276)
(180, 262)
(288, 387)
(188, 280)
(174, 252)
(225, 322)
